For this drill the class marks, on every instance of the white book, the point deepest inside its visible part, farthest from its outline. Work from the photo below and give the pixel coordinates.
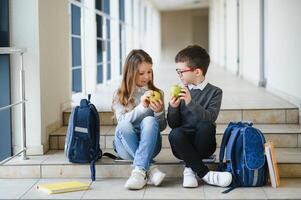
(272, 164)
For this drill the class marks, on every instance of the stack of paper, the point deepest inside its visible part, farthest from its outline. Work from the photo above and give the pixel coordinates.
(54, 188)
(272, 164)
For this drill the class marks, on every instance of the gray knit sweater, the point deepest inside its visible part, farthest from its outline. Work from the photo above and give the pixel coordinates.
(204, 106)
(139, 112)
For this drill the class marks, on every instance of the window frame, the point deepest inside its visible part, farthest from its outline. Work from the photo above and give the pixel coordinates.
(106, 42)
(122, 40)
(80, 5)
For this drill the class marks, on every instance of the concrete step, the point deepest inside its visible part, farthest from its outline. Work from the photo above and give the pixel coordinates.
(258, 116)
(54, 164)
(283, 135)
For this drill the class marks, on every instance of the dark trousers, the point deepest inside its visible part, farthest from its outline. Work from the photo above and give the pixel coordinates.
(194, 144)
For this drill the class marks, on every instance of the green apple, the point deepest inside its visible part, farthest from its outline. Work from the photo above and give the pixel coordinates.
(175, 90)
(156, 96)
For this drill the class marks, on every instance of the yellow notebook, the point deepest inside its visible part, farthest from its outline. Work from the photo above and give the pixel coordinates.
(53, 188)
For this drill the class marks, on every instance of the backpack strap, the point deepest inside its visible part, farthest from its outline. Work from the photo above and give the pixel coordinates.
(227, 135)
(89, 97)
(92, 169)
(98, 153)
(70, 131)
(225, 139)
(231, 143)
(230, 158)
(92, 156)
(95, 113)
(92, 163)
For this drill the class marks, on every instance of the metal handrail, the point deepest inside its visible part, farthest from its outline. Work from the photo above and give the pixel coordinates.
(20, 51)
(12, 105)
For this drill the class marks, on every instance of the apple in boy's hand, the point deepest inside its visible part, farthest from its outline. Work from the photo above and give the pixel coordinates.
(175, 90)
(155, 97)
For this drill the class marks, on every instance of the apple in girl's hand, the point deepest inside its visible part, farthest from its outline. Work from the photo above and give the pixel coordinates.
(156, 96)
(175, 90)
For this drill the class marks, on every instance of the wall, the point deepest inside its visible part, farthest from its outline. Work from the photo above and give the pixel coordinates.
(269, 43)
(34, 25)
(217, 32)
(283, 47)
(55, 74)
(250, 44)
(24, 30)
(177, 30)
(231, 23)
(200, 32)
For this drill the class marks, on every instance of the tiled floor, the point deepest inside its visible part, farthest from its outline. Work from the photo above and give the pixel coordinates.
(170, 189)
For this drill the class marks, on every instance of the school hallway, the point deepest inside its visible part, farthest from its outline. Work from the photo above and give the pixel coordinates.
(64, 50)
(276, 117)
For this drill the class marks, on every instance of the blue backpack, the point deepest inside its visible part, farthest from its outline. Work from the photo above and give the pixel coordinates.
(245, 158)
(82, 140)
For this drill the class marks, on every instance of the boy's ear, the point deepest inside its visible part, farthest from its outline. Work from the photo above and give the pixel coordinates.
(199, 71)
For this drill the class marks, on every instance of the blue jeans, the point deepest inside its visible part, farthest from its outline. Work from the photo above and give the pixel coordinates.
(138, 144)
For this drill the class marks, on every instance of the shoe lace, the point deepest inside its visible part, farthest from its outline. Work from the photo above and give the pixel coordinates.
(137, 174)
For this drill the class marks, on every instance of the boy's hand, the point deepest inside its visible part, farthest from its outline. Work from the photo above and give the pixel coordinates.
(174, 102)
(185, 95)
(145, 98)
(156, 106)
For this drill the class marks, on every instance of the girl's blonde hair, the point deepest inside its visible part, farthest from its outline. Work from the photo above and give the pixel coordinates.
(125, 93)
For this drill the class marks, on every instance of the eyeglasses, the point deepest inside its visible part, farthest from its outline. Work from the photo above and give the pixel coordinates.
(180, 72)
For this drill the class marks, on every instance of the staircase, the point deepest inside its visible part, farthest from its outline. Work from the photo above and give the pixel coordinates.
(280, 125)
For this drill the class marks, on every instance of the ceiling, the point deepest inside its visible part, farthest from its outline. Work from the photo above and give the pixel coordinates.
(168, 5)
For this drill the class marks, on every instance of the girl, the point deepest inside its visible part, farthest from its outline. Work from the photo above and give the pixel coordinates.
(140, 120)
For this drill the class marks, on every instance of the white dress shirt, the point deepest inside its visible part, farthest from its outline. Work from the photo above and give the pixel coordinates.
(200, 86)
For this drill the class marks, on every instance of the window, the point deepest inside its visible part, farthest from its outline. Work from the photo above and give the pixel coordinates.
(76, 48)
(103, 40)
(99, 43)
(103, 5)
(121, 34)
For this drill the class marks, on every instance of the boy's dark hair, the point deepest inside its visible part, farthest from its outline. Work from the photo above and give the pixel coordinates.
(195, 57)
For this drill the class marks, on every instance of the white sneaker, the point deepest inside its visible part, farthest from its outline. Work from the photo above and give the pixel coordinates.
(155, 176)
(137, 179)
(222, 179)
(189, 178)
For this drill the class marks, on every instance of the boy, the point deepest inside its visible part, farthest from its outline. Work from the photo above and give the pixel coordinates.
(192, 118)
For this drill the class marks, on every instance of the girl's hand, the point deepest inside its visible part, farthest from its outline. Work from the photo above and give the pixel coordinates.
(145, 98)
(185, 95)
(156, 106)
(174, 102)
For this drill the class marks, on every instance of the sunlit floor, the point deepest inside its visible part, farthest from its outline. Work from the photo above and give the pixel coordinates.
(237, 93)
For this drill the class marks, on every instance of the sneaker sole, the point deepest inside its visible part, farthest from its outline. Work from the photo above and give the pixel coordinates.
(190, 186)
